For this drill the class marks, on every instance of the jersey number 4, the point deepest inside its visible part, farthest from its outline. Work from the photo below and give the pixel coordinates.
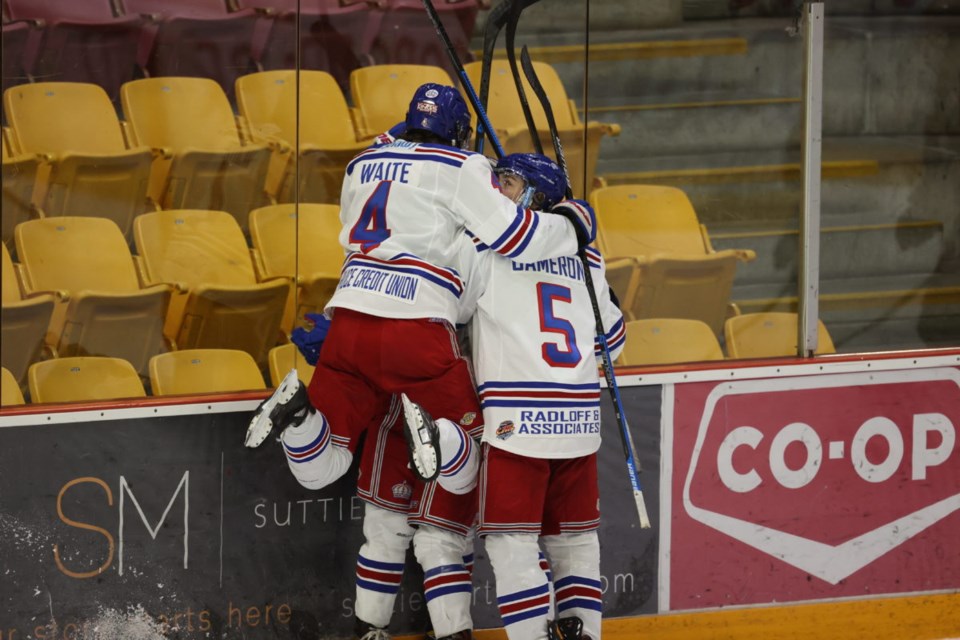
(371, 227)
(565, 354)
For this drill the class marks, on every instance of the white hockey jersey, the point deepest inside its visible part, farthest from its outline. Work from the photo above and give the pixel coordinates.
(404, 207)
(534, 351)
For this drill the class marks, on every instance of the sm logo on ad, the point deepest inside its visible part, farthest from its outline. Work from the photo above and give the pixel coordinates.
(115, 545)
(827, 474)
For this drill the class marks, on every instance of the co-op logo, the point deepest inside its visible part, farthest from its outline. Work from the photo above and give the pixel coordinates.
(828, 473)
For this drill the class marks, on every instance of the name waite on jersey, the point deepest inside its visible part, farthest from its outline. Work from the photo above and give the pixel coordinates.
(392, 285)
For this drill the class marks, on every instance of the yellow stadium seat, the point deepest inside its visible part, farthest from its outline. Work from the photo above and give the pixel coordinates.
(659, 258)
(327, 140)
(299, 242)
(19, 183)
(204, 371)
(10, 394)
(23, 323)
(286, 357)
(669, 340)
(206, 164)
(581, 143)
(768, 335)
(103, 309)
(220, 305)
(84, 379)
(75, 127)
(381, 94)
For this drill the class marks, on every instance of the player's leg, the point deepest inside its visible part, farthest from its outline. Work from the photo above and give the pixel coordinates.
(444, 547)
(437, 379)
(440, 450)
(386, 485)
(571, 518)
(380, 566)
(320, 450)
(510, 526)
(447, 586)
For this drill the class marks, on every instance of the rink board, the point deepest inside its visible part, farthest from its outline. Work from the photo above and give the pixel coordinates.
(814, 485)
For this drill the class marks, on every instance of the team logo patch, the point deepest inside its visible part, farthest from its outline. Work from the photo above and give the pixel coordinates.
(432, 93)
(468, 418)
(402, 491)
(427, 107)
(505, 430)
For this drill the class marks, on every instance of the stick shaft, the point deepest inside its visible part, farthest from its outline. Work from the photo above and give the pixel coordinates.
(462, 74)
(626, 438)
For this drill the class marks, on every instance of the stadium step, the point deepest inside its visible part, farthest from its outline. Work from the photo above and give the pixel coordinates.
(865, 92)
(698, 123)
(874, 314)
(852, 245)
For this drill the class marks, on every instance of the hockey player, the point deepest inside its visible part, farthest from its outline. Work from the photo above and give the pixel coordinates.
(533, 355)
(403, 205)
(399, 509)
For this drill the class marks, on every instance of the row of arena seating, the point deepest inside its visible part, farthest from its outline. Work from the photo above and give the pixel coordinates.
(190, 371)
(109, 42)
(194, 274)
(194, 371)
(180, 146)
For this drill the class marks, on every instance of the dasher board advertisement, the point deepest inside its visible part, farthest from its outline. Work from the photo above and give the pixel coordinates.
(168, 527)
(806, 488)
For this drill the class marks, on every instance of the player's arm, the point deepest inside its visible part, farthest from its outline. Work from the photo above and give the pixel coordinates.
(501, 225)
(610, 313)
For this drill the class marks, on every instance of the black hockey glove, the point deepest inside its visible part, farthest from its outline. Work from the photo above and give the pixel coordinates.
(583, 218)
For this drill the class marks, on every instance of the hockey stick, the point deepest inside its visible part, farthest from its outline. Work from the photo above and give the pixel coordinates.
(537, 87)
(491, 29)
(464, 80)
(629, 451)
(512, 22)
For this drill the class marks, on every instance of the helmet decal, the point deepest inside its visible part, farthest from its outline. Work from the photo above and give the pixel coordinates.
(440, 110)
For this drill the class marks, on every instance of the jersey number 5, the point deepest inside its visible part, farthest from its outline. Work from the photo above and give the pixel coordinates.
(371, 227)
(567, 354)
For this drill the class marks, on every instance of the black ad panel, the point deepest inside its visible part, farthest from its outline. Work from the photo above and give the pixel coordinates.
(167, 527)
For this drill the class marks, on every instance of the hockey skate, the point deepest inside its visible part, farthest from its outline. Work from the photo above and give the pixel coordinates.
(288, 406)
(366, 631)
(423, 440)
(566, 629)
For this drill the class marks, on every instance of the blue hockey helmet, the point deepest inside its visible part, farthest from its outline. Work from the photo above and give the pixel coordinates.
(440, 110)
(541, 175)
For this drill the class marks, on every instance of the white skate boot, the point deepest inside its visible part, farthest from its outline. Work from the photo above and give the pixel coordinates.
(288, 406)
(423, 440)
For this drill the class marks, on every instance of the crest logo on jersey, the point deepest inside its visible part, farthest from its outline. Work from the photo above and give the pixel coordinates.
(427, 107)
(468, 418)
(432, 93)
(505, 430)
(402, 491)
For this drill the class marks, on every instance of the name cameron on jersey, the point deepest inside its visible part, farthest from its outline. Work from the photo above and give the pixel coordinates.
(559, 422)
(567, 267)
(394, 285)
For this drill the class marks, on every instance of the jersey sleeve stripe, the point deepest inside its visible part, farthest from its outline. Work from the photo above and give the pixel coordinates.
(616, 337)
(527, 237)
(518, 220)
